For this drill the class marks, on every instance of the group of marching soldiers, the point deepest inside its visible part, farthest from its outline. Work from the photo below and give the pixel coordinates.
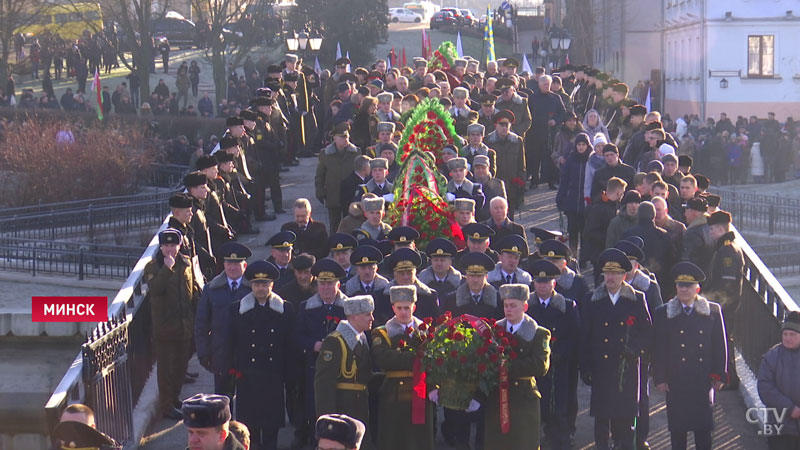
(323, 325)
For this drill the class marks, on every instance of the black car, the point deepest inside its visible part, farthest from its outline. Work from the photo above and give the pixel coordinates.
(440, 18)
(179, 32)
(460, 20)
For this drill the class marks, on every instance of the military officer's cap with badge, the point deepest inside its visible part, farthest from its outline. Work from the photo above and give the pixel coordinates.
(476, 128)
(516, 291)
(170, 236)
(540, 234)
(339, 242)
(403, 294)
(366, 255)
(636, 240)
(687, 273)
(234, 121)
(476, 263)
(504, 115)
(513, 243)
(342, 61)
(464, 204)
(379, 163)
(358, 304)
(71, 435)
(180, 201)
(262, 271)
(228, 142)
(477, 231)
(441, 247)
(511, 62)
(488, 99)
(303, 261)
(206, 410)
(631, 250)
(403, 235)
(554, 249)
(613, 260)
(205, 162)
(404, 259)
(194, 179)
(342, 129)
(384, 246)
(235, 252)
(283, 239)
(543, 270)
(420, 62)
(341, 429)
(328, 270)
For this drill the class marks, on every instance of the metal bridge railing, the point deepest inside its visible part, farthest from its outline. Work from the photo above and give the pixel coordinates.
(764, 213)
(46, 208)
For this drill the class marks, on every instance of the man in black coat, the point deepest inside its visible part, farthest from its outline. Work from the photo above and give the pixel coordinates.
(659, 251)
(349, 185)
(282, 244)
(500, 223)
(689, 358)
(547, 113)
(312, 236)
(404, 263)
(262, 348)
(614, 168)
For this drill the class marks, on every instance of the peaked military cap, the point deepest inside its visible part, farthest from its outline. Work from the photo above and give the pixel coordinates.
(180, 201)
(457, 163)
(193, 179)
(247, 114)
(635, 240)
(464, 204)
(205, 162)
(516, 291)
(366, 255)
(372, 204)
(488, 100)
(687, 272)
(303, 261)
(378, 84)
(223, 157)
(384, 246)
(234, 251)
(342, 241)
(544, 270)
(476, 128)
(283, 239)
(328, 270)
(341, 429)
(477, 231)
(342, 61)
(697, 204)
(379, 163)
(504, 114)
(441, 247)
(262, 271)
(170, 236)
(420, 62)
(631, 250)
(511, 62)
(403, 234)
(206, 410)
(71, 435)
(541, 235)
(614, 260)
(503, 84)
(234, 121)
(554, 249)
(513, 243)
(719, 218)
(476, 263)
(228, 142)
(404, 259)
(406, 294)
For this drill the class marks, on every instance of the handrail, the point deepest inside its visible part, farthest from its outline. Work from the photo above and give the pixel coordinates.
(46, 208)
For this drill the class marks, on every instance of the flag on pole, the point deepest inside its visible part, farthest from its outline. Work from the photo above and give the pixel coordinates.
(403, 59)
(459, 49)
(317, 67)
(488, 35)
(97, 89)
(526, 66)
(348, 58)
(647, 100)
(430, 46)
(424, 45)
(392, 58)
(338, 51)
(566, 61)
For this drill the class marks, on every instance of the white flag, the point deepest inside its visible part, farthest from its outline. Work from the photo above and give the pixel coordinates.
(647, 100)
(459, 49)
(526, 66)
(338, 51)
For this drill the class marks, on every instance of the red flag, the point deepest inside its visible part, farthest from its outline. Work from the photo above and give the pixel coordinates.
(424, 45)
(393, 57)
(403, 62)
(567, 60)
(428, 43)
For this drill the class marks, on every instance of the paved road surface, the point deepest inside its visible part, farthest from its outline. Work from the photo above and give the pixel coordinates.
(733, 432)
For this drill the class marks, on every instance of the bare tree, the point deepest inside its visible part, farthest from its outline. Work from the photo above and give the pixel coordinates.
(13, 15)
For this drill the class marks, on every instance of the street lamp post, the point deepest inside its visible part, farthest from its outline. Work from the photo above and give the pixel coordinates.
(560, 41)
(304, 42)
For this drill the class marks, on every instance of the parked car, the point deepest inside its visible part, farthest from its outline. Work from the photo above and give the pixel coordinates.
(179, 32)
(445, 18)
(460, 19)
(404, 15)
(469, 18)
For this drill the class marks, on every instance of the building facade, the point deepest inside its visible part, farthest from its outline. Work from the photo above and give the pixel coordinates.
(740, 57)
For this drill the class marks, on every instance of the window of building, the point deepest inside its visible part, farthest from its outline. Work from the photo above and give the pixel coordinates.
(761, 56)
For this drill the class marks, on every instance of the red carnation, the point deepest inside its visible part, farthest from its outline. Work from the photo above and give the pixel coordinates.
(453, 353)
(458, 336)
(428, 320)
(431, 336)
(432, 115)
(423, 327)
(329, 317)
(463, 359)
(631, 320)
(501, 349)
(409, 330)
(492, 321)
(481, 367)
(512, 355)
(336, 319)
(505, 341)
(553, 339)
(401, 343)
(439, 361)
(449, 335)
(493, 357)
(482, 351)
(418, 128)
(232, 371)
(715, 377)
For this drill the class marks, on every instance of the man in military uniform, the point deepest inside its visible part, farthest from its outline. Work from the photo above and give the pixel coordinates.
(207, 418)
(417, 79)
(312, 236)
(404, 263)
(366, 281)
(487, 111)
(698, 246)
(304, 284)
(344, 365)
(339, 429)
(374, 211)
(507, 271)
(724, 284)
(559, 314)
(464, 213)
(221, 232)
(516, 104)
(477, 236)
(71, 435)
(476, 147)
(211, 330)
(460, 110)
(316, 318)
(180, 206)
(268, 147)
(510, 158)
(336, 161)
(491, 186)
(385, 112)
(689, 358)
(341, 248)
(459, 186)
(385, 131)
(500, 223)
(615, 333)
(394, 348)
(378, 185)
(196, 187)
(441, 275)
(531, 343)
(282, 244)
(262, 327)
(173, 291)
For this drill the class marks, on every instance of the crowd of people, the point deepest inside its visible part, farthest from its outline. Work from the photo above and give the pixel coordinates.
(322, 326)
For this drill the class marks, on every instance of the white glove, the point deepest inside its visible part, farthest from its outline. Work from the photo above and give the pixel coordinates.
(450, 197)
(434, 396)
(388, 197)
(473, 406)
